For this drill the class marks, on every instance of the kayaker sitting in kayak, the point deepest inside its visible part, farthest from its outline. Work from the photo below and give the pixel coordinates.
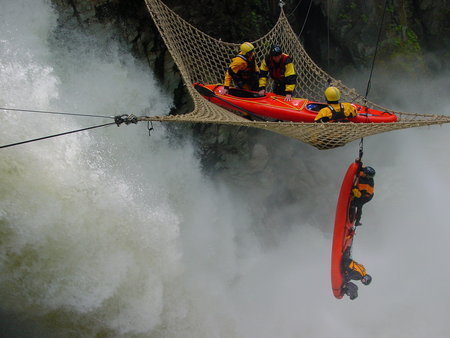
(335, 111)
(281, 70)
(243, 70)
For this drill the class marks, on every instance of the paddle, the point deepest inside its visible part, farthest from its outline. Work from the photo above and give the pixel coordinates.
(209, 93)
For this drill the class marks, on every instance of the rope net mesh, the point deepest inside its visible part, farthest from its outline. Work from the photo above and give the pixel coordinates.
(201, 58)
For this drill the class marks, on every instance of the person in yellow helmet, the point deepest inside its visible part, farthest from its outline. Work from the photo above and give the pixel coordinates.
(352, 270)
(243, 70)
(335, 111)
(281, 69)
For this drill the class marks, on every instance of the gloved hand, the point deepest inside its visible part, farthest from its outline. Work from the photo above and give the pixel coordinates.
(356, 193)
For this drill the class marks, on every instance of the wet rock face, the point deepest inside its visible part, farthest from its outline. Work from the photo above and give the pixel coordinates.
(350, 31)
(335, 34)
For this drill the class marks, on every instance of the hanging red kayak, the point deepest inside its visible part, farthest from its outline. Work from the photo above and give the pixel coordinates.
(343, 228)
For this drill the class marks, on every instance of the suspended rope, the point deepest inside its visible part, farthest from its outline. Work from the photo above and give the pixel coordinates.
(118, 120)
(306, 19)
(54, 112)
(376, 50)
(361, 143)
(295, 8)
(328, 33)
(55, 135)
(361, 149)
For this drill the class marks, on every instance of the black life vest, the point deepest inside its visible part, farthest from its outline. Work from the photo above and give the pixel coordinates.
(366, 186)
(246, 74)
(338, 115)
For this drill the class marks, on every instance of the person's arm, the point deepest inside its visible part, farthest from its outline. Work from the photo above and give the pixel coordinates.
(226, 82)
(290, 78)
(324, 115)
(263, 75)
(231, 74)
(349, 110)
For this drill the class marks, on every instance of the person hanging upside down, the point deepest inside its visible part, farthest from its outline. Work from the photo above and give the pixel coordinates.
(335, 111)
(363, 191)
(352, 270)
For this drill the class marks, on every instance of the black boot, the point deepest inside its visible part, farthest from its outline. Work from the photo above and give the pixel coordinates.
(351, 290)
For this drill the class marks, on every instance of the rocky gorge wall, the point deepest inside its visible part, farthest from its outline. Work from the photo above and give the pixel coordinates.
(337, 34)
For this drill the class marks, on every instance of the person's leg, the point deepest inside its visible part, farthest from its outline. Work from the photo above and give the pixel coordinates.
(358, 204)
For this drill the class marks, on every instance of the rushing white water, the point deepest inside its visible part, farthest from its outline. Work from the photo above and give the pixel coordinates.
(111, 232)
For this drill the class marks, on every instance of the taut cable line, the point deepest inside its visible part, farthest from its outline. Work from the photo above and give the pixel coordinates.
(376, 50)
(55, 135)
(54, 112)
(118, 120)
(361, 142)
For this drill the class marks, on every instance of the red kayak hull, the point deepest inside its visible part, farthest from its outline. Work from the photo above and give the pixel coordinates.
(343, 228)
(273, 107)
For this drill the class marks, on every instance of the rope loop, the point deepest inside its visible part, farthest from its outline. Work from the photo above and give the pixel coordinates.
(127, 119)
(361, 149)
(149, 127)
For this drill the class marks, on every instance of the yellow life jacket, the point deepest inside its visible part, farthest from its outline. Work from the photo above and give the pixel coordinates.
(358, 268)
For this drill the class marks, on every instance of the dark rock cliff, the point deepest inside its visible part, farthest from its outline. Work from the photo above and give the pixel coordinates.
(334, 33)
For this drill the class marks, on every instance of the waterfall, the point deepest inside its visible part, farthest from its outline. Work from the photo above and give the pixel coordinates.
(112, 232)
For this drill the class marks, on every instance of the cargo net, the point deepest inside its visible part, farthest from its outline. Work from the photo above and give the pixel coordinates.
(201, 58)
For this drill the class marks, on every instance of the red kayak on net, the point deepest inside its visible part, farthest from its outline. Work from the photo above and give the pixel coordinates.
(272, 107)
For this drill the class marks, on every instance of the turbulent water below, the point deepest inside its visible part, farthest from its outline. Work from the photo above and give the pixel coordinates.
(115, 233)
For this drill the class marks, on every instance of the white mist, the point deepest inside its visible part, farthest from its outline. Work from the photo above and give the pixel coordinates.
(113, 232)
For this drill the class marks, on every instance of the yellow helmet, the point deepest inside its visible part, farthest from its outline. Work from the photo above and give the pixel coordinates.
(246, 47)
(332, 94)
